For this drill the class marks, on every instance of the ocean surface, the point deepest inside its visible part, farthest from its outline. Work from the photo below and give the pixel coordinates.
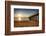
(22, 19)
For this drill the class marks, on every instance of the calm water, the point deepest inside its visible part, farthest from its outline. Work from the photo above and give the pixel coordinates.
(23, 18)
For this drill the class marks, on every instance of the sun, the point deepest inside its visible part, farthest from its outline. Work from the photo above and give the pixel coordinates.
(19, 17)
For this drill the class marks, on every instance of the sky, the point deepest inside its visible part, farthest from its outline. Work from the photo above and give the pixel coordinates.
(25, 12)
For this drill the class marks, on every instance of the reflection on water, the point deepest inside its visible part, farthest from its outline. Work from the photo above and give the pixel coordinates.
(24, 18)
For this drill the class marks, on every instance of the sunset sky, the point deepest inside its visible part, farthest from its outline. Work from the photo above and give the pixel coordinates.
(25, 12)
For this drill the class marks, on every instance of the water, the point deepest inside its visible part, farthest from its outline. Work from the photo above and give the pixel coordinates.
(22, 19)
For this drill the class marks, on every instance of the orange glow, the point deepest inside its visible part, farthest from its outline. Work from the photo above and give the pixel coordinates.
(19, 17)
